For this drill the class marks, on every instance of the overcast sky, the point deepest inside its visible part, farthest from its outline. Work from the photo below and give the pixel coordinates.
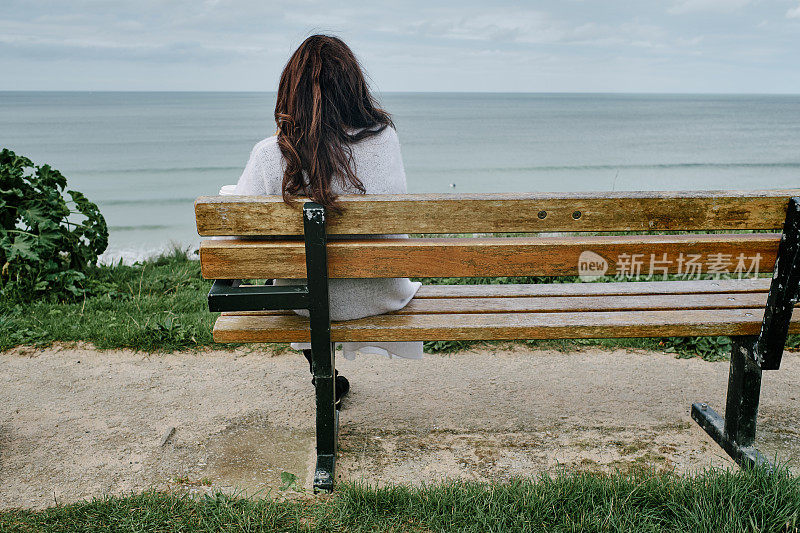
(729, 46)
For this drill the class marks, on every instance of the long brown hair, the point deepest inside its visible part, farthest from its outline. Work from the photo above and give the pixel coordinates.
(324, 106)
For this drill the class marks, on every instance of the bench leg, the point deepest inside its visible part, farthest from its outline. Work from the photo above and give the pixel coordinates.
(327, 417)
(737, 431)
(322, 350)
(752, 355)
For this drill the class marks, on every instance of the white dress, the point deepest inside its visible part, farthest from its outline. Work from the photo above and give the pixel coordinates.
(379, 165)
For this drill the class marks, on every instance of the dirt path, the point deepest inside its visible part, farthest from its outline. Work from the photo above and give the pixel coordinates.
(80, 423)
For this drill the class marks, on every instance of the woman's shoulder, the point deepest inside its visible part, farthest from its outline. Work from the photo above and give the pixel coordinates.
(389, 135)
(379, 164)
(266, 155)
(266, 145)
(384, 140)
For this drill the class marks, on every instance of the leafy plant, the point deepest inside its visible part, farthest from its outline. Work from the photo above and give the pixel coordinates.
(793, 342)
(172, 330)
(447, 346)
(288, 481)
(709, 348)
(48, 243)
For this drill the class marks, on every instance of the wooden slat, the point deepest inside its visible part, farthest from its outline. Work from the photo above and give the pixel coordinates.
(515, 290)
(501, 326)
(582, 304)
(516, 212)
(521, 256)
(572, 304)
(595, 289)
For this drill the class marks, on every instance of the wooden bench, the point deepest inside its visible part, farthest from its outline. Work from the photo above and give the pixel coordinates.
(700, 230)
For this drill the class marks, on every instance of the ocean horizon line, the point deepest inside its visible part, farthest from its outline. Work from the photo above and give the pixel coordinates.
(380, 92)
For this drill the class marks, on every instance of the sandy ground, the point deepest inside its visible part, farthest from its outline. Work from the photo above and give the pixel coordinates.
(78, 423)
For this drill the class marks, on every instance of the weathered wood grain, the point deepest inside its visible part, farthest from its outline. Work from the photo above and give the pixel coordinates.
(572, 304)
(500, 326)
(515, 290)
(595, 289)
(462, 257)
(517, 212)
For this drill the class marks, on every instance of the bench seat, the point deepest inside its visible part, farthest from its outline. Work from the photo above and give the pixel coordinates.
(535, 311)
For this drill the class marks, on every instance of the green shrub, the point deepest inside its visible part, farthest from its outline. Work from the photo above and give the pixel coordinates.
(793, 342)
(709, 348)
(47, 242)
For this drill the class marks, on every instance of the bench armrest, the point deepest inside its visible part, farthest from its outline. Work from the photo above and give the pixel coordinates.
(228, 295)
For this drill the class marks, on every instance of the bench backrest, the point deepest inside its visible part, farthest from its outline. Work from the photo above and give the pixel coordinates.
(282, 255)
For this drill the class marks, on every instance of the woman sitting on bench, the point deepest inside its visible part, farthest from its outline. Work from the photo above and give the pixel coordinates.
(332, 139)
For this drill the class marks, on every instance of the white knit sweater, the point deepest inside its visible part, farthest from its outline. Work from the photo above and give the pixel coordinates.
(379, 165)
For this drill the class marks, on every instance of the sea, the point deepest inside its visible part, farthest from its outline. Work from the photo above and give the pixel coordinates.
(144, 157)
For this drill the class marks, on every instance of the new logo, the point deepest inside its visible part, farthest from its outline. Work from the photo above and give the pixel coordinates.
(591, 266)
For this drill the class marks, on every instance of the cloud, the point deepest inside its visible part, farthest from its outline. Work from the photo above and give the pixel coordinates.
(410, 45)
(505, 27)
(83, 49)
(499, 25)
(699, 6)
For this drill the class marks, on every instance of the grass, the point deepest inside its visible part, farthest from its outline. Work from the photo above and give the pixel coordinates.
(160, 306)
(643, 501)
